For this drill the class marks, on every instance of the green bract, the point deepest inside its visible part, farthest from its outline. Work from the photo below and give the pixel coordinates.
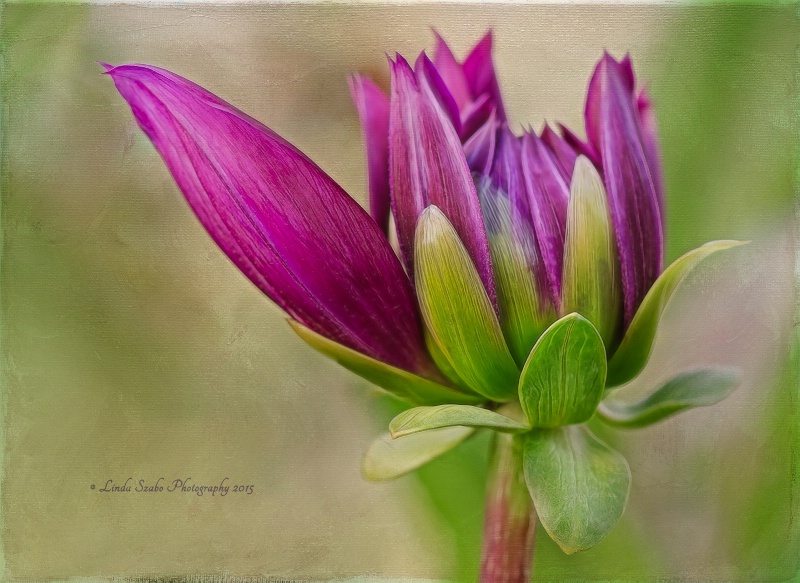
(426, 418)
(563, 380)
(457, 310)
(591, 280)
(578, 484)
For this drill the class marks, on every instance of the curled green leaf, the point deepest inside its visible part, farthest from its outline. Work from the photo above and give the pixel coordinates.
(578, 484)
(401, 383)
(591, 281)
(457, 310)
(428, 418)
(563, 380)
(389, 458)
(686, 391)
(634, 351)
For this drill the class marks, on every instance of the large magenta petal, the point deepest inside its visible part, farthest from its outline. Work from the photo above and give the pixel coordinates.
(424, 67)
(548, 196)
(288, 226)
(563, 152)
(612, 125)
(480, 147)
(481, 76)
(373, 110)
(427, 166)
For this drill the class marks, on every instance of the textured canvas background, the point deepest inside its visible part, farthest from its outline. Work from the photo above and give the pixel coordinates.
(133, 348)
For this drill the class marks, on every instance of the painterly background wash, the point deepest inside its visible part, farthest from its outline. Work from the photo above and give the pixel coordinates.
(133, 348)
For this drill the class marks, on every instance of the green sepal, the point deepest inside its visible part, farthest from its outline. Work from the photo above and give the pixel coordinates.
(428, 418)
(401, 383)
(457, 310)
(563, 380)
(389, 458)
(591, 282)
(522, 297)
(634, 351)
(578, 484)
(686, 391)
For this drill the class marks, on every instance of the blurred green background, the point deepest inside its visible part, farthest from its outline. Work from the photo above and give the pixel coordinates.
(133, 348)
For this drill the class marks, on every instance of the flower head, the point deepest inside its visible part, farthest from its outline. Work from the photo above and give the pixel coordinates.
(529, 279)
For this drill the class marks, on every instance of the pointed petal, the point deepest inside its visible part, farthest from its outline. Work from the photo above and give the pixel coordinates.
(563, 152)
(287, 225)
(612, 124)
(481, 76)
(480, 147)
(647, 123)
(548, 193)
(591, 284)
(373, 111)
(427, 166)
(458, 312)
(452, 73)
(425, 69)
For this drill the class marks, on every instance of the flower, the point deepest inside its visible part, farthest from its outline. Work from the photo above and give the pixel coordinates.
(529, 280)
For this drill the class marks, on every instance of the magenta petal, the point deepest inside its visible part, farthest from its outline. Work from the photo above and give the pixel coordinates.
(288, 226)
(373, 111)
(612, 124)
(581, 147)
(507, 175)
(548, 195)
(563, 152)
(423, 67)
(474, 116)
(652, 150)
(481, 76)
(480, 147)
(427, 166)
(452, 73)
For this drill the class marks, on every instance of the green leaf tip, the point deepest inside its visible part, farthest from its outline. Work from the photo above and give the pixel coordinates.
(578, 484)
(429, 418)
(691, 389)
(563, 380)
(634, 351)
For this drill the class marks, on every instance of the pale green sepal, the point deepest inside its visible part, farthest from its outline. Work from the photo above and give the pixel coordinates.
(522, 299)
(578, 484)
(399, 382)
(563, 380)
(389, 458)
(457, 311)
(591, 276)
(686, 391)
(428, 418)
(634, 351)
(441, 362)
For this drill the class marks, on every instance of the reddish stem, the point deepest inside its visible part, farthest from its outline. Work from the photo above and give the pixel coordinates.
(510, 519)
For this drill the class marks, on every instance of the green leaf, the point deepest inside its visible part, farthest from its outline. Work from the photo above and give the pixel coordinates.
(634, 351)
(562, 382)
(591, 285)
(399, 382)
(389, 458)
(578, 484)
(691, 389)
(427, 418)
(522, 299)
(457, 311)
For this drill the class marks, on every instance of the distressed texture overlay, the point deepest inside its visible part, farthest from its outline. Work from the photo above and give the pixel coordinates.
(161, 420)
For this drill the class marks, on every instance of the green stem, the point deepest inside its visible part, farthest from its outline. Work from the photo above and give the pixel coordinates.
(510, 519)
